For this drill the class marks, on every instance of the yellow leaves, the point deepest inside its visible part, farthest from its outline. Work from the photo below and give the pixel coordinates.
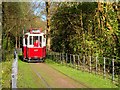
(89, 43)
(2, 71)
(100, 7)
(110, 31)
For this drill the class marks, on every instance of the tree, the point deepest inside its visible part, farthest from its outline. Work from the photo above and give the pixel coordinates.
(48, 24)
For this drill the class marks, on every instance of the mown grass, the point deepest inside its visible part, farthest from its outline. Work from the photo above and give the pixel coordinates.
(26, 77)
(90, 80)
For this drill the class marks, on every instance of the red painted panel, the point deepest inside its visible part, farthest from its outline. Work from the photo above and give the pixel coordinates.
(24, 51)
(44, 51)
(35, 52)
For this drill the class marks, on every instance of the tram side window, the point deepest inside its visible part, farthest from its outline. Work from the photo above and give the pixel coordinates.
(31, 40)
(25, 41)
(40, 41)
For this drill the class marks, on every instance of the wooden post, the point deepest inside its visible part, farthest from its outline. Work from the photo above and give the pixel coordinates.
(119, 77)
(113, 69)
(104, 72)
(83, 63)
(19, 41)
(66, 58)
(96, 64)
(73, 61)
(60, 58)
(49, 54)
(90, 65)
(56, 57)
(16, 39)
(52, 55)
(63, 58)
(78, 61)
(70, 59)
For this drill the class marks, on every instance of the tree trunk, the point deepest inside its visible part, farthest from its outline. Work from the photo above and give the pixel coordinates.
(16, 40)
(116, 7)
(6, 43)
(82, 33)
(19, 41)
(118, 19)
(48, 24)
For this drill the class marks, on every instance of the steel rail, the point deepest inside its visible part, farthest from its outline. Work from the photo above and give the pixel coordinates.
(40, 76)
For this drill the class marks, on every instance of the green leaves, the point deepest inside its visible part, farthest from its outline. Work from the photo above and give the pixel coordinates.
(85, 28)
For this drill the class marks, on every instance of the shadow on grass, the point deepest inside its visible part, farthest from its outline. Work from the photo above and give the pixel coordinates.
(21, 58)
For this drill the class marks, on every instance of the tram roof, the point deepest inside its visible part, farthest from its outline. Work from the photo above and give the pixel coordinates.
(34, 34)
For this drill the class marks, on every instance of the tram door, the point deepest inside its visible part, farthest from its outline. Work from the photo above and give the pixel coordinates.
(25, 46)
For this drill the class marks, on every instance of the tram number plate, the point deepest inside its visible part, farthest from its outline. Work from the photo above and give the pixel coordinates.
(36, 50)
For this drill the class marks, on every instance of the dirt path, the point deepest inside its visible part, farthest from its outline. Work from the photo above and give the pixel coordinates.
(53, 78)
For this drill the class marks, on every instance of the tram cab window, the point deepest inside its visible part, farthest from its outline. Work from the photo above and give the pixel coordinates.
(35, 38)
(37, 42)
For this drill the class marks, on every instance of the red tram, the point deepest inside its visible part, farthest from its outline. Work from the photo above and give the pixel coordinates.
(34, 45)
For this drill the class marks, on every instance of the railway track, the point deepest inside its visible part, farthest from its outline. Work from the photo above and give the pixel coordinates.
(72, 78)
(41, 78)
(53, 78)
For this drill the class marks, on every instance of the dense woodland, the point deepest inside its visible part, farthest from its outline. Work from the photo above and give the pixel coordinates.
(89, 28)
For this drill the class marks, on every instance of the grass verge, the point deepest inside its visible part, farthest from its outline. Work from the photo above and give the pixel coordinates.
(91, 80)
(6, 71)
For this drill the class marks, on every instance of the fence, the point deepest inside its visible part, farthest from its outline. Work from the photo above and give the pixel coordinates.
(0, 70)
(14, 70)
(104, 66)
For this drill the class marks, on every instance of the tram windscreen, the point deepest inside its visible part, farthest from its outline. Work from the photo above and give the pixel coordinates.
(35, 38)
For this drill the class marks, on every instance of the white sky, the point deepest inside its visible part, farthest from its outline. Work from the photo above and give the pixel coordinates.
(40, 8)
